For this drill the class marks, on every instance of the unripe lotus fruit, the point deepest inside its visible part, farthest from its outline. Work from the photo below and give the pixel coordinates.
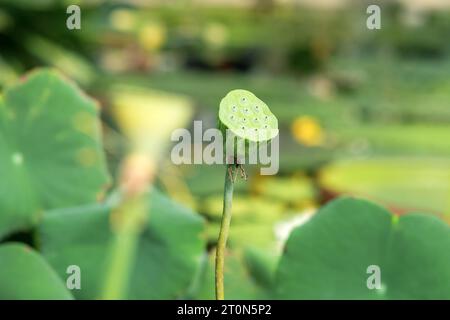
(247, 117)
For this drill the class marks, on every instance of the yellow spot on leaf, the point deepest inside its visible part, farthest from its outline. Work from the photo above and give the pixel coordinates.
(87, 157)
(83, 122)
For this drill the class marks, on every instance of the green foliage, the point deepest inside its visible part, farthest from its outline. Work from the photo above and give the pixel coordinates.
(53, 171)
(261, 265)
(328, 257)
(50, 149)
(169, 252)
(378, 95)
(289, 97)
(406, 184)
(24, 274)
(295, 191)
(394, 140)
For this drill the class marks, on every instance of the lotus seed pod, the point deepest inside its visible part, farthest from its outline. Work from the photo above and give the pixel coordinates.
(247, 117)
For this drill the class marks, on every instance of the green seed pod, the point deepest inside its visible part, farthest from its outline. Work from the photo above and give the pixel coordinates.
(247, 117)
(244, 118)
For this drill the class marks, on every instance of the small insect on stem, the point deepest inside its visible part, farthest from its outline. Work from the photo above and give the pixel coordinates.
(242, 171)
(230, 173)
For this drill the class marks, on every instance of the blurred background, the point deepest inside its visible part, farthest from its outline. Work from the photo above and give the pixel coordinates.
(361, 112)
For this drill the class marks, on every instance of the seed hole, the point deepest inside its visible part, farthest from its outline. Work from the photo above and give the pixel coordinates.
(234, 108)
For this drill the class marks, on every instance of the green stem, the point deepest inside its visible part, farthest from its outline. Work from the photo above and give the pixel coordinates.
(230, 175)
(132, 214)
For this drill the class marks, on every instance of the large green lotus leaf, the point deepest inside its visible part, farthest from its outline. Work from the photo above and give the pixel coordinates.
(261, 265)
(169, 252)
(328, 257)
(395, 140)
(409, 184)
(50, 149)
(24, 274)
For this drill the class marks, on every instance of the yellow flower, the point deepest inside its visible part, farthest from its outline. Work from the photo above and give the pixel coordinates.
(306, 130)
(123, 19)
(148, 117)
(152, 36)
(215, 35)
